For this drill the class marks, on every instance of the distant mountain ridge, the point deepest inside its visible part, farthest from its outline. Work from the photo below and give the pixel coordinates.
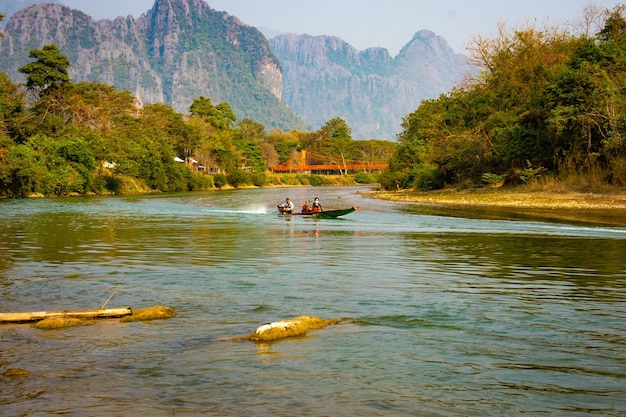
(181, 49)
(325, 77)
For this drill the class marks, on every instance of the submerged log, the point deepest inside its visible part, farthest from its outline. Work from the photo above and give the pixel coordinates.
(84, 314)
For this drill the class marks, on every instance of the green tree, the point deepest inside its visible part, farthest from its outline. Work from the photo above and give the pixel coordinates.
(279, 146)
(251, 130)
(11, 104)
(220, 116)
(587, 109)
(185, 137)
(49, 71)
(334, 140)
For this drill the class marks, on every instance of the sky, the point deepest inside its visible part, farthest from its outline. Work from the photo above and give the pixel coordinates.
(390, 24)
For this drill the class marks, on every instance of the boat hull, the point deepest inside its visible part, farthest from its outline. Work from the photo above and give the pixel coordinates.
(326, 214)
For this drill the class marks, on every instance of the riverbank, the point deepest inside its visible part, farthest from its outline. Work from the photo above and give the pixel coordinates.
(605, 208)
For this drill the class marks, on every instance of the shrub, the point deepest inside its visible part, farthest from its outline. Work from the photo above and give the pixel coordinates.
(492, 179)
(219, 180)
(112, 184)
(425, 177)
(364, 178)
(238, 178)
(199, 182)
(392, 180)
(317, 180)
(259, 179)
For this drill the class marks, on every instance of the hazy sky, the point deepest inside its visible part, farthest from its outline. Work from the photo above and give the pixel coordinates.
(366, 23)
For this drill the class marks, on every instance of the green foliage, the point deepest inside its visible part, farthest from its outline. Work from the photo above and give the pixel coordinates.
(220, 116)
(545, 99)
(219, 180)
(11, 99)
(239, 178)
(316, 180)
(492, 179)
(253, 156)
(39, 167)
(393, 180)
(48, 71)
(259, 179)
(424, 177)
(251, 130)
(531, 173)
(365, 178)
(200, 182)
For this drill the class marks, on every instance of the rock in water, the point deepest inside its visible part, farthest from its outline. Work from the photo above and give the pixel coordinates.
(288, 328)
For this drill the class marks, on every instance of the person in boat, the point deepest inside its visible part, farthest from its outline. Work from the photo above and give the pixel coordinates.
(307, 208)
(317, 206)
(287, 206)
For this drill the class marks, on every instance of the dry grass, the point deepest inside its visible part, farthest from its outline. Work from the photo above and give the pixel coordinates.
(533, 196)
(59, 322)
(547, 200)
(16, 372)
(150, 313)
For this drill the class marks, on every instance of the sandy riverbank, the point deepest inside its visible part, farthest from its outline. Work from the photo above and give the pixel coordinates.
(605, 208)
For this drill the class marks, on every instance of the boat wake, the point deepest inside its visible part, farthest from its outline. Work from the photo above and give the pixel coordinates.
(251, 210)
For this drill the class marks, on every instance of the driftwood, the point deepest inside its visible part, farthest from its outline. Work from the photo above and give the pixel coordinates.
(66, 318)
(84, 314)
(36, 316)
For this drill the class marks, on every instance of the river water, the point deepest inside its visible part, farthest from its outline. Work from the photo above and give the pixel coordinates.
(446, 313)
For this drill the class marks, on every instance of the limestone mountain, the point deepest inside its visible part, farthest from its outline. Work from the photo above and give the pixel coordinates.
(8, 7)
(324, 77)
(175, 52)
(182, 49)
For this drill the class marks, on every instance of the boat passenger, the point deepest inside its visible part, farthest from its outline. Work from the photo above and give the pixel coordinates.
(317, 206)
(287, 206)
(307, 208)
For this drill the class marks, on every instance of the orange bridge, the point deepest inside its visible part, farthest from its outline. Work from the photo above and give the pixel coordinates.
(312, 162)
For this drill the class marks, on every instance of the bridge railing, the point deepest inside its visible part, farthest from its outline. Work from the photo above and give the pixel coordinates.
(330, 167)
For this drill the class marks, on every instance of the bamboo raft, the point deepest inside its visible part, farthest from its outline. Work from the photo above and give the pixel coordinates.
(71, 317)
(34, 316)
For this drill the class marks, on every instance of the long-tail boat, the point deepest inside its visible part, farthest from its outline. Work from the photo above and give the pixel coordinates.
(324, 214)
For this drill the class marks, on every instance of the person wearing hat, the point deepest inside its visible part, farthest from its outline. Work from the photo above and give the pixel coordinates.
(306, 208)
(288, 206)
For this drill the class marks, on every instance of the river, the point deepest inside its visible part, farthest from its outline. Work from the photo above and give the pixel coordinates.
(445, 313)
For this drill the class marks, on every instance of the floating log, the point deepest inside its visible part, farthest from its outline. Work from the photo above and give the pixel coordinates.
(84, 314)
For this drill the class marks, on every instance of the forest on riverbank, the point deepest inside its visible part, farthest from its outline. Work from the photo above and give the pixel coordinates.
(547, 106)
(58, 138)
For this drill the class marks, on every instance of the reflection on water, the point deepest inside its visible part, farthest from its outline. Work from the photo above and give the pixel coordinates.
(445, 314)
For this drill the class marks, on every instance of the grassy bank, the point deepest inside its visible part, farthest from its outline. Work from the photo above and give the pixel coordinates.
(607, 207)
(513, 198)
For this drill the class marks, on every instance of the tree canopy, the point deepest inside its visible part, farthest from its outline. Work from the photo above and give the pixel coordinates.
(48, 71)
(545, 103)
